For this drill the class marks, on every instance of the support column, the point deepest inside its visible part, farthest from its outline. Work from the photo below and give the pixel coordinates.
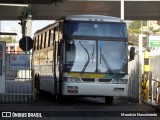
(122, 9)
(29, 25)
(146, 76)
(140, 67)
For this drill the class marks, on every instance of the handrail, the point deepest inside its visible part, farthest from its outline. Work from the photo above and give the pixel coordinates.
(155, 80)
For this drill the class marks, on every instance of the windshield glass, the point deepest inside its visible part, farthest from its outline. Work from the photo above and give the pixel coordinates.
(81, 56)
(112, 57)
(101, 29)
(96, 56)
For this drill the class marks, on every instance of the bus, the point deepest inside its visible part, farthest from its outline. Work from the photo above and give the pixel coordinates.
(82, 55)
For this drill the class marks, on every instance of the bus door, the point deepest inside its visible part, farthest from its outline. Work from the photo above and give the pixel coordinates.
(57, 60)
(2, 66)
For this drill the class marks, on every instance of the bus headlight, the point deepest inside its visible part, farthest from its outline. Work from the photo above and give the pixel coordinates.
(119, 81)
(70, 79)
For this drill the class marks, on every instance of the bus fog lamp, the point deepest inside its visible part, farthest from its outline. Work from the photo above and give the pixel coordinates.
(73, 79)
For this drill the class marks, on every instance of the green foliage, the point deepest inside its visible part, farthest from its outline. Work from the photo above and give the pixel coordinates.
(133, 31)
(134, 39)
(156, 31)
(137, 24)
(158, 22)
(8, 39)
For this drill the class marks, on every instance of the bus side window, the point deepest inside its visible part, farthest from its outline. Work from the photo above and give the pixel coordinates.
(34, 43)
(53, 35)
(56, 34)
(47, 39)
(38, 42)
(61, 31)
(45, 36)
(41, 41)
(50, 38)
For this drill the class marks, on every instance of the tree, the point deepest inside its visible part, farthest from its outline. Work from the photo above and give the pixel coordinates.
(134, 30)
(137, 24)
(137, 27)
(158, 22)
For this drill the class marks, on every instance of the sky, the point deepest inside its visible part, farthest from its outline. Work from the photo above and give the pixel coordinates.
(13, 25)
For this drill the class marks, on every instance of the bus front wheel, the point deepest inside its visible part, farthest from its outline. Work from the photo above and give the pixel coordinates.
(109, 99)
(37, 84)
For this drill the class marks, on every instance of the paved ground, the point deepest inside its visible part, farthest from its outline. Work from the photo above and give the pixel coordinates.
(80, 109)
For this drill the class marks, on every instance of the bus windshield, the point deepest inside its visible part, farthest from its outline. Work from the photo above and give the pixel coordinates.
(95, 56)
(95, 47)
(81, 56)
(101, 29)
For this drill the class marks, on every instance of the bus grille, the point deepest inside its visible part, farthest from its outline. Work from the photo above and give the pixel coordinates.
(105, 80)
(88, 79)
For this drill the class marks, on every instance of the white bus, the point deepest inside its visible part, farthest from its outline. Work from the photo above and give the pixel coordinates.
(82, 55)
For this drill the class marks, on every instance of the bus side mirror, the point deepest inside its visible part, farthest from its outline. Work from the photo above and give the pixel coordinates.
(132, 53)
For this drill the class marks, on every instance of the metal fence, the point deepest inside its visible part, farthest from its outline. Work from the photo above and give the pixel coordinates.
(155, 67)
(133, 87)
(154, 81)
(18, 84)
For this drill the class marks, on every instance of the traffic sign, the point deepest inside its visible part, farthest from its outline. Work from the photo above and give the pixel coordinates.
(26, 43)
(154, 41)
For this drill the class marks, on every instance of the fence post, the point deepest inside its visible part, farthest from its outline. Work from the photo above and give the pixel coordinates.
(145, 80)
(158, 103)
(33, 86)
(140, 66)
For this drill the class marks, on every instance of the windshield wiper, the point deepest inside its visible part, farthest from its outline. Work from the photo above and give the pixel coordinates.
(105, 62)
(89, 58)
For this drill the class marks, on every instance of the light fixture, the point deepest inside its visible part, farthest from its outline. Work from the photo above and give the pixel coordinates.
(15, 5)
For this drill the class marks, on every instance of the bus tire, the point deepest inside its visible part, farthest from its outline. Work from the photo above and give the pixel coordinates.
(108, 99)
(37, 84)
(60, 98)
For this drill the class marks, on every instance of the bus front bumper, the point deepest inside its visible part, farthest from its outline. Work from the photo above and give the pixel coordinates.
(94, 89)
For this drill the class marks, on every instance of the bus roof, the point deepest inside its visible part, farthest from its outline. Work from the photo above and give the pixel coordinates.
(93, 18)
(100, 18)
(39, 30)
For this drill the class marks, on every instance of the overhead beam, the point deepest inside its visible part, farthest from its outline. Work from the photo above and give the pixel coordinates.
(133, 9)
(7, 33)
(28, 1)
(122, 9)
(16, 5)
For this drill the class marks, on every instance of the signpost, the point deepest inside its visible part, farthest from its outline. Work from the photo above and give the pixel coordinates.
(20, 62)
(26, 43)
(154, 41)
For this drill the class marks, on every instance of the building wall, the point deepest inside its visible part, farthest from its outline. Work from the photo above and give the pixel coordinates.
(13, 48)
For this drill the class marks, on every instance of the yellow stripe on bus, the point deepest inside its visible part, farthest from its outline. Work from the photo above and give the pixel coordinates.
(86, 75)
